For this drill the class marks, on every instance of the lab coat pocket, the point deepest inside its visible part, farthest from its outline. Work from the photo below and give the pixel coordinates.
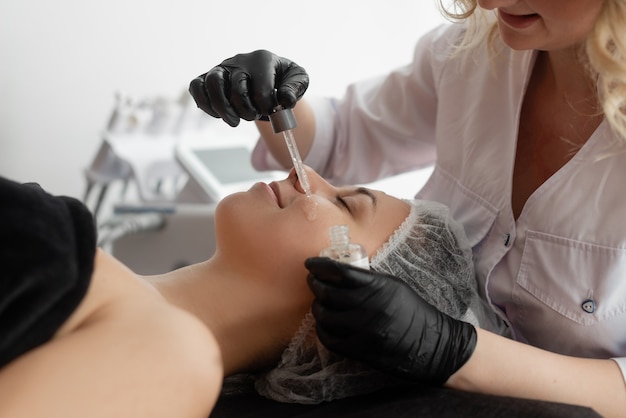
(581, 281)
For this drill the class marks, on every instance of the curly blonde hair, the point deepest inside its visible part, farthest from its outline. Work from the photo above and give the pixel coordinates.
(604, 50)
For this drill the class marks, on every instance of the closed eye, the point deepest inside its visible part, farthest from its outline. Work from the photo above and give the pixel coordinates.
(343, 203)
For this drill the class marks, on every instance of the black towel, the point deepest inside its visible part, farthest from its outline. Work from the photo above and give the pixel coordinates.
(47, 249)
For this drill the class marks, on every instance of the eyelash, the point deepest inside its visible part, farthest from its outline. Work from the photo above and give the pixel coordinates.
(343, 202)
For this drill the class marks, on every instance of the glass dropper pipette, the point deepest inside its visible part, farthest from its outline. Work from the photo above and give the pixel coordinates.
(283, 121)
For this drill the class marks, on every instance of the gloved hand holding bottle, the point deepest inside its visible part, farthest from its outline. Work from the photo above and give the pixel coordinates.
(379, 320)
(249, 86)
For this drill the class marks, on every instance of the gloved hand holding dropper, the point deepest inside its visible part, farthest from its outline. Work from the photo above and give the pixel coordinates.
(253, 86)
(249, 86)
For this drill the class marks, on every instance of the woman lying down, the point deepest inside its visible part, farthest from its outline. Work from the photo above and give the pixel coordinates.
(82, 335)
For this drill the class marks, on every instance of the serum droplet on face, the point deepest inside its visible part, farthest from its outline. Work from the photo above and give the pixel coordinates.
(310, 208)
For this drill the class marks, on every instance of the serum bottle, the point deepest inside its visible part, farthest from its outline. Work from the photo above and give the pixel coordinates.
(342, 250)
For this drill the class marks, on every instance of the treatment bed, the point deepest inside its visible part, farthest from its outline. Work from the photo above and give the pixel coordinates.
(239, 400)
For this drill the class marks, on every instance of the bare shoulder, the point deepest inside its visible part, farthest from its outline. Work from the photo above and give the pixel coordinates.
(124, 352)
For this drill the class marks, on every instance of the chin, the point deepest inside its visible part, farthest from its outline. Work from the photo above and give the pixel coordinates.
(518, 44)
(234, 217)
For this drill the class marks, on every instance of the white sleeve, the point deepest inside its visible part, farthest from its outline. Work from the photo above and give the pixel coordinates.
(382, 126)
(621, 362)
(262, 159)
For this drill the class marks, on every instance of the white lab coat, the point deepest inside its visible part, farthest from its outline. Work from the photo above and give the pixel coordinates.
(558, 273)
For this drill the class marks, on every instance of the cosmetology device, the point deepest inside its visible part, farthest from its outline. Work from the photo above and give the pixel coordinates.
(221, 165)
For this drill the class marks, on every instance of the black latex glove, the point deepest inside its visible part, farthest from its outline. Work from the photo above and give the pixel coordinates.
(379, 320)
(243, 86)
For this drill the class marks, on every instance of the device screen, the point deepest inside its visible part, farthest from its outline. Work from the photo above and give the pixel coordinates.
(229, 165)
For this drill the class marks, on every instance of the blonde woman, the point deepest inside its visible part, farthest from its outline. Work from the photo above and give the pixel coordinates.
(521, 107)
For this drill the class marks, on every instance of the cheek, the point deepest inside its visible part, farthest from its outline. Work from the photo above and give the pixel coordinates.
(573, 18)
(488, 4)
(302, 238)
(238, 223)
(275, 234)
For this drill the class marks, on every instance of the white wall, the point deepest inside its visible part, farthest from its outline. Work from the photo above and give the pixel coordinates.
(61, 61)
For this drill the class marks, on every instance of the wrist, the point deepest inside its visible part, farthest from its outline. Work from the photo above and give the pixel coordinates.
(464, 378)
(461, 346)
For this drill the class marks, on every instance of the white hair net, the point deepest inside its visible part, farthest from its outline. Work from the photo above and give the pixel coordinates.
(430, 252)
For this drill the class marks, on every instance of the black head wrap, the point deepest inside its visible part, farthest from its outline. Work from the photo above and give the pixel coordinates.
(47, 249)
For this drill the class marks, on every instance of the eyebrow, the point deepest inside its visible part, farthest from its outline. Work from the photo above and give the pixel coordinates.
(368, 193)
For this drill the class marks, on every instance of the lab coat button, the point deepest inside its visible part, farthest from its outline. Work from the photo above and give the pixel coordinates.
(507, 239)
(589, 306)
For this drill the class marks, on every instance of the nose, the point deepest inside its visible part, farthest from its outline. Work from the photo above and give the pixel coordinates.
(317, 182)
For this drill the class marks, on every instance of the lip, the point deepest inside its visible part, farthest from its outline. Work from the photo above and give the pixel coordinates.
(518, 21)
